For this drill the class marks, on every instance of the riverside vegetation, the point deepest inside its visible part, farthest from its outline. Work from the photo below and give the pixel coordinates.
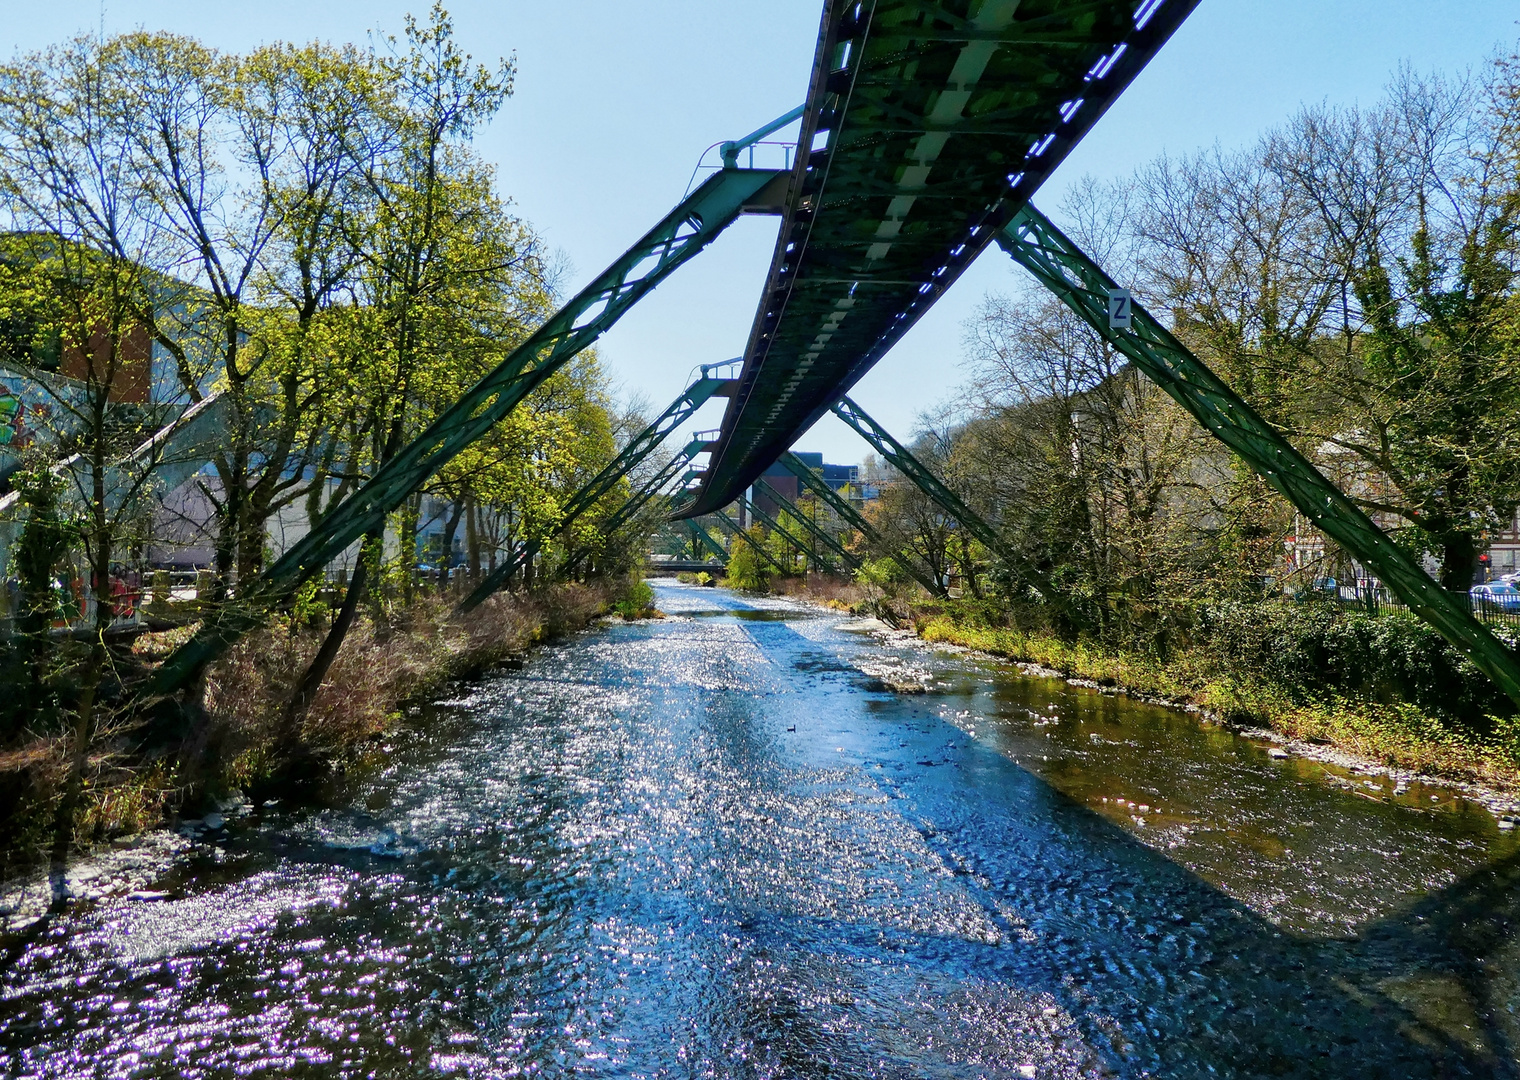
(303, 237)
(1382, 687)
(1353, 276)
(142, 765)
(1387, 688)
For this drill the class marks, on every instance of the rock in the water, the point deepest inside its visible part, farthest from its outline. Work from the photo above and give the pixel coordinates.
(1277, 752)
(215, 821)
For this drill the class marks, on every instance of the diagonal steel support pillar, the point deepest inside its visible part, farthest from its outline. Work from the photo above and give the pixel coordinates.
(733, 527)
(694, 223)
(818, 531)
(638, 499)
(841, 506)
(949, 501)
(699, 532)
(774, 526)
(639, 447)
(1059, 265)
(634, 503)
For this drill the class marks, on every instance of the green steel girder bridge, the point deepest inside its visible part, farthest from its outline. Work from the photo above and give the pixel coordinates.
(927, 125)
(926, 128)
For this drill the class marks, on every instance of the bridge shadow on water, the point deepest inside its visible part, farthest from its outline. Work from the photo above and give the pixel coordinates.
(1159, 969)
(714, 845)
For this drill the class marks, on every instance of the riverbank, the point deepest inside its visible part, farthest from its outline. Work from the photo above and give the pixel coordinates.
(144, 771)
(1397, 735)
(581, 835)
(1404, 739)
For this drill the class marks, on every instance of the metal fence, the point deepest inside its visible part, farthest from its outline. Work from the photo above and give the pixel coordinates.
(1375, 599)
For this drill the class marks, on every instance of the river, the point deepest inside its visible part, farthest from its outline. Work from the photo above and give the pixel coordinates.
(730, 843)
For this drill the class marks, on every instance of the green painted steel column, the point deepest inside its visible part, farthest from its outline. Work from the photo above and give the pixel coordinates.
(1060, 266)
(842, 507)
(700, 531)
(810, 525)
(686, 230)
(733, 527)
(775, 527)
(639, 447)
(932, 486)
(639, 498)
(636, 502)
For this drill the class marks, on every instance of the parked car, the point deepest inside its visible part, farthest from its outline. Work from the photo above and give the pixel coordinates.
(1497, 594)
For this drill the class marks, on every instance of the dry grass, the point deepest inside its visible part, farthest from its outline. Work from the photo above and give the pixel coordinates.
(131, 785)
(31, 783)
(838, 593)
(375, 672)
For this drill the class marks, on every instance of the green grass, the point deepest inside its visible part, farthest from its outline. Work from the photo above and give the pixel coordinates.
(1396, 733)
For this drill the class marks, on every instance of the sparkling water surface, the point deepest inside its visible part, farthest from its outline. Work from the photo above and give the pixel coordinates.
(730, 843)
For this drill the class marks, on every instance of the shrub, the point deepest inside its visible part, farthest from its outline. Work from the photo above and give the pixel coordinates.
(637, 602)
(747, 568)
(1309, 649)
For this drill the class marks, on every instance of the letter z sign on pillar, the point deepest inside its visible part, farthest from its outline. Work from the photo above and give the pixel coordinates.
(1120, 309)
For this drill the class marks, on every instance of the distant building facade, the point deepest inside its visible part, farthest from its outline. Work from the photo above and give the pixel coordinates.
(844, 479)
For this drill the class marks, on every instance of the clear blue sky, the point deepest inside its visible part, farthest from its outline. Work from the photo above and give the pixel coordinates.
(616, 98)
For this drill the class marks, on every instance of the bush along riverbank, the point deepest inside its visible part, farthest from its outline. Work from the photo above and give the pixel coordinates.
(1386, 688)
(146, 766)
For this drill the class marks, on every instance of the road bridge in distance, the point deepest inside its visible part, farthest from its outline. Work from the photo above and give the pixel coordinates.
(686, 566)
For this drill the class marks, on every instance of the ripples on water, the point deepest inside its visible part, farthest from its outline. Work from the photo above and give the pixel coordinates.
(716, 845)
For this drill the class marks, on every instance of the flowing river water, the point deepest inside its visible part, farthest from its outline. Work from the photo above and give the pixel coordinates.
(727, 844)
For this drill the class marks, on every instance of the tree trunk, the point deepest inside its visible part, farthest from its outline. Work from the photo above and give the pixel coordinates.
(472, 542)
(73, 790)
(311, 680)
(250, 552)
(411, 511)
(448, 544)
(100, 553)
(1459, 562)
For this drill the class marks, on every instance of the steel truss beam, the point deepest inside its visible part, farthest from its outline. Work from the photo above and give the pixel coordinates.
(949, 501)
(694, 223)
(733, 527)
(927, 124)
(775, 527)
(1059, 265)
(638, 499)
(639, 447)
(842, 507)
(830, 542)
(699, 531)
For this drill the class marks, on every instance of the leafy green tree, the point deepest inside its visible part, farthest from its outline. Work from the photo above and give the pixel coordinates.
(1353, 276)
(747, 568)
